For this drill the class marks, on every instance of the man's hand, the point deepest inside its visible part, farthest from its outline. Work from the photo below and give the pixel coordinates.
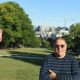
(52, 75)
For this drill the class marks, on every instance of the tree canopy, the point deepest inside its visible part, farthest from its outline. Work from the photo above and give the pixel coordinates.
(75, 35)
(16, 24)
(75, 29)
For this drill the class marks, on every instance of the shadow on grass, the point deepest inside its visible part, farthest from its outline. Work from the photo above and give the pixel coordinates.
(29, 57)
(32, 58)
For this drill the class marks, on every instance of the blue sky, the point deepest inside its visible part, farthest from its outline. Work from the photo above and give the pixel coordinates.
(51, 12)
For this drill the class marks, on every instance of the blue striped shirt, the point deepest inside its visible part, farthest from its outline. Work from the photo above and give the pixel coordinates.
(66, 68)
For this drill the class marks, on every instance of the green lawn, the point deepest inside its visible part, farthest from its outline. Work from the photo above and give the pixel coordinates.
(19, 68)
(23, 51)
(13, 69)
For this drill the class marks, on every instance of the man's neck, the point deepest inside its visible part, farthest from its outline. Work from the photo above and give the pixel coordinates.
(61, 57)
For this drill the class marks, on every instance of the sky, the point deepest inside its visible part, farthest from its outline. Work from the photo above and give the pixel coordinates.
(51, 12)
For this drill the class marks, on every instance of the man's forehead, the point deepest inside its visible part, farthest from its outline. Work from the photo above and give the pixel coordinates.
(60, 41)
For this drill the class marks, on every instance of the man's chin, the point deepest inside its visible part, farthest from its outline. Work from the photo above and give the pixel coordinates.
(59, 55)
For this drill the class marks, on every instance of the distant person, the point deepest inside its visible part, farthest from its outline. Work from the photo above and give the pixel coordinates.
(59, 65)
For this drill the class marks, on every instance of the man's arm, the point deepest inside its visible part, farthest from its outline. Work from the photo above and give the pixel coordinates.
(44, 71)
(73, 76)
(74, 72)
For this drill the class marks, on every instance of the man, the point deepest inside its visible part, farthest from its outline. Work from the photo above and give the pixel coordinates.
(59, 65)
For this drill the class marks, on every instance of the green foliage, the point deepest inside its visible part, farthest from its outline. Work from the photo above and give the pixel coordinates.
(16, 25)
(69, 41)
(46, 44)
(75, 34)
(75, 30)
(37, 42)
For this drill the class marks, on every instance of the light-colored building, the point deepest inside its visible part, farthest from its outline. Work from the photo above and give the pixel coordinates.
(51, 32)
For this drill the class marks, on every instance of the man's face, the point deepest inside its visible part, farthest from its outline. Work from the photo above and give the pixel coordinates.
(60, 48)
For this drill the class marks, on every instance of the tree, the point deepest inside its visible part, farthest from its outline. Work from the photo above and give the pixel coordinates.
(16, 24)
(37, 42)
(75, 34)
(75, 29)
(69, 41)
(46, 44)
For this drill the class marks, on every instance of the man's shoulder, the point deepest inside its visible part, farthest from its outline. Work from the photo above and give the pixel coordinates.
(71, 57)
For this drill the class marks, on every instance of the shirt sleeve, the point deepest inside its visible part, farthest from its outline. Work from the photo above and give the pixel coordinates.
(44, 71)
(68, 77)
(75, 74)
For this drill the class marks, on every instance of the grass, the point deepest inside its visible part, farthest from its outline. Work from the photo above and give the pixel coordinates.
(20, 68)
(24, 51)
(12, 69)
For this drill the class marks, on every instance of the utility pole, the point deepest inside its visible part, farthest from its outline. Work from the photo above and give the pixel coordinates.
(65, 23)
